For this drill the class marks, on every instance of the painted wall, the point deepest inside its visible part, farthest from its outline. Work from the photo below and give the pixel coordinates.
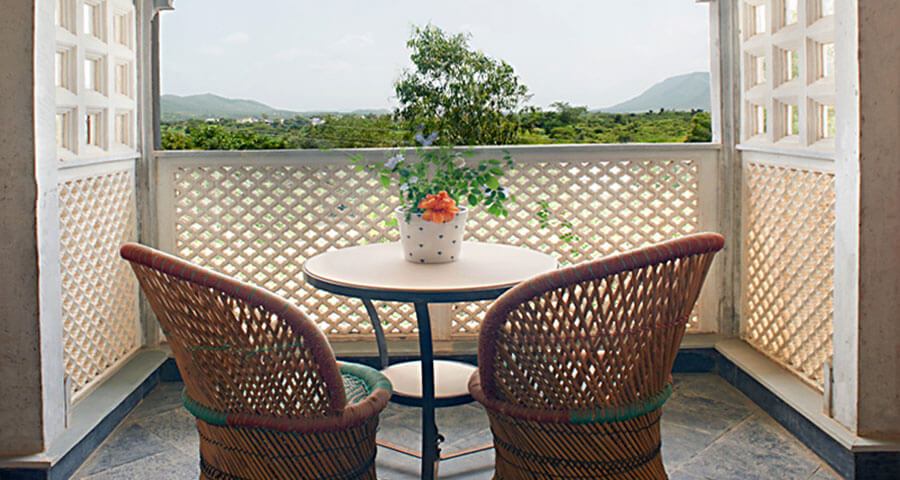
(879, 218)
(31, 403)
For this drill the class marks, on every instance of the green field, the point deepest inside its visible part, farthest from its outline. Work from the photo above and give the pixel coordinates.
(563, 124)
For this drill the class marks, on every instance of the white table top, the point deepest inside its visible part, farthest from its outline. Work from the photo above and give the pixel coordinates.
(381, 266)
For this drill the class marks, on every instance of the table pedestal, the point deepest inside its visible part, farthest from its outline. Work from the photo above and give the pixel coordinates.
(429, 384)
(378, 272)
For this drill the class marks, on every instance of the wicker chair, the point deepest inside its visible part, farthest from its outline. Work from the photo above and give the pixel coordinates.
(270, 400)
(575, 364)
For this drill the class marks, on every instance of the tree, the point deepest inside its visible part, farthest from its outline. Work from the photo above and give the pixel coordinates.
(700, 129)
(464, 95)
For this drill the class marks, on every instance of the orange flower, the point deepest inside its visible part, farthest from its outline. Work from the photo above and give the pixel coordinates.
(438, 208)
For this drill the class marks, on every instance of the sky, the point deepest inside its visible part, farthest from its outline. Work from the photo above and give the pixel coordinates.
(342, 55)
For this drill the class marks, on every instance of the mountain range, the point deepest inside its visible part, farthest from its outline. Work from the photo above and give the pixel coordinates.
(682, 92)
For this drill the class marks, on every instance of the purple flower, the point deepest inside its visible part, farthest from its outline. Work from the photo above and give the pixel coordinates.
(426, 141)
(394, 161)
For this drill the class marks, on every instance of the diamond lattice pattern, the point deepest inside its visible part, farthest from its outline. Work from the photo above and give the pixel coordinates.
(789, 266)
(261, 222)
(99, 293)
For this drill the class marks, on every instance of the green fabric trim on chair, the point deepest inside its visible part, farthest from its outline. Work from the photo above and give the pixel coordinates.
(623, 413)
(355, 388)
(206, 414)
(359, 382)
(373, 379)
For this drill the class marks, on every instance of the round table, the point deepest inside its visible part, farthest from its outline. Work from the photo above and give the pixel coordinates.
(379, 272)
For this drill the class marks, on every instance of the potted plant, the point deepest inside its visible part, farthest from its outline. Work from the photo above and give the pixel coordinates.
(437, 188)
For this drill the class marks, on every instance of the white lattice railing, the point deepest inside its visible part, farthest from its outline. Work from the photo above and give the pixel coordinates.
(788, 278)
(97, 213)
(260, 215)
(96, 139)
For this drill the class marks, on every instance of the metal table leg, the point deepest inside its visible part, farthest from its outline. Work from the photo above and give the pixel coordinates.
(431, 452)
(379, 333)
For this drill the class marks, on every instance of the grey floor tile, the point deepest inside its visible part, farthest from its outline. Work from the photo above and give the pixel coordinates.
(396, 466)
(680, 380)
(128, 443)
(704, 413)
(478, 466)
(168, 465)
(714, 387)
(710, 432)
(392, 465)
(757, 449)
(177, 427)
(165, 397)
(825, 473)
(681, 475)
(681, 443)
(463, 426)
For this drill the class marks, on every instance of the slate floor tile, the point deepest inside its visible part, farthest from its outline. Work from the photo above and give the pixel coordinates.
(177, 427)
(825, 473)
(128, 443)
(164, 398)
(170, 465)
(680, 443)
(756, 449)
(715, 388)
(704, 413)
(710, 432)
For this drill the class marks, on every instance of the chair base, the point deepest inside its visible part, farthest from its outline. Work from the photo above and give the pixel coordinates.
(228, 453)
(627, 450)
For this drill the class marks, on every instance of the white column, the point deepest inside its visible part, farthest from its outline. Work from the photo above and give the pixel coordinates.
(32, 403)
(846, 231)
(879, 218)
(867, 249)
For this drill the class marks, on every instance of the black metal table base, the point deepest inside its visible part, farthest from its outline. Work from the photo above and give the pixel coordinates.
(431, 439)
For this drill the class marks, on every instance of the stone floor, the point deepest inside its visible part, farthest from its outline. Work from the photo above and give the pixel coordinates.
(710, 431)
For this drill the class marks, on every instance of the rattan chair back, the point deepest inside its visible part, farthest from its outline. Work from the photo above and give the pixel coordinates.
(595, 336)
(240, 349)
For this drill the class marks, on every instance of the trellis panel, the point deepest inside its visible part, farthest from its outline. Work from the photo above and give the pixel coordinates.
(99, 293)
(789, 266)
(260, 218)
(96, 135)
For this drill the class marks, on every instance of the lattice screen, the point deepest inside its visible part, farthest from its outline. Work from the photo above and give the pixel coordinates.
(613, 206)
(787, 61)
(789, 266)
(260, 222)
(96, 128)
(99, 293)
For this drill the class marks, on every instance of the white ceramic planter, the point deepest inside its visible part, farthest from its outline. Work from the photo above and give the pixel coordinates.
(430, 242)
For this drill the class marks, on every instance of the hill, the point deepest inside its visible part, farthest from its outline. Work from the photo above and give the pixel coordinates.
(174, 108)
(682, 92)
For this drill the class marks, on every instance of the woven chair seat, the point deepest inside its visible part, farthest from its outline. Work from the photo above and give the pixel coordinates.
(575, 365)
(362, 385)
(270, 400)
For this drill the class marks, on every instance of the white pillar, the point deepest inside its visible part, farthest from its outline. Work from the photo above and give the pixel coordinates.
(879, 218)
(32, 402)
(867, 233)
